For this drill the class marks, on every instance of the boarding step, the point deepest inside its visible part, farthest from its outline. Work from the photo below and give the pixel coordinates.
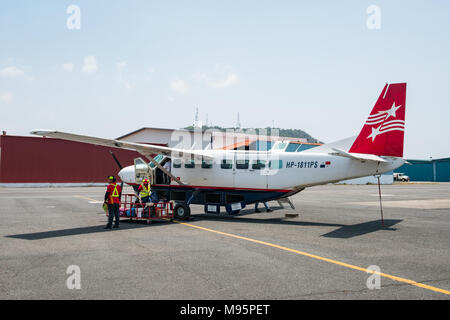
(286, 200)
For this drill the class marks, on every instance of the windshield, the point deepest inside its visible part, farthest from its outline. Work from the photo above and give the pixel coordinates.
(279, 146)
(158, 159)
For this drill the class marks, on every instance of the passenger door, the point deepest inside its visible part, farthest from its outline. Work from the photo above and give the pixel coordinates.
(251, 171)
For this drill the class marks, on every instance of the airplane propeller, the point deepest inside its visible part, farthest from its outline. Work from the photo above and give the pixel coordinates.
(115, 159)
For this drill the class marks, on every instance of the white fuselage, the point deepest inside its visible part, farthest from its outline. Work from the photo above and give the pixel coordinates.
(287, 170)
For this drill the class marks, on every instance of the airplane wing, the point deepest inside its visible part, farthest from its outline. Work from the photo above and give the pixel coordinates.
(144, 149)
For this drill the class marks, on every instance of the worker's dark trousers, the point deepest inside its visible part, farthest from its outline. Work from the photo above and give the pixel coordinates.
(113, 212)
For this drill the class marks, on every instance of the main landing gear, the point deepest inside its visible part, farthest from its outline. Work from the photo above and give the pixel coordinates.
(182, 211)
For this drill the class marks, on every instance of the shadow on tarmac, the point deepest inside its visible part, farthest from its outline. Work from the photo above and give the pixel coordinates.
(360, 229)
(342, 231)
(124, 225)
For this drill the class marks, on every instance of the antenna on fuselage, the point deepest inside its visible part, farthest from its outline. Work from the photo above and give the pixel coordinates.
(196, 118)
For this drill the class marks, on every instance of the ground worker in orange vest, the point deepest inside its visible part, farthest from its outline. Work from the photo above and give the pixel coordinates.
(112, 199)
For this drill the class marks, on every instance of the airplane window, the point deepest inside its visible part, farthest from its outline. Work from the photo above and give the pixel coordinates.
(177, 163)
(226, 164)
(242, 164)
(207, 164)
(258, 164)
(276, 164)
(279, 146)
(189, 164)
(292, 147)
(158, 159)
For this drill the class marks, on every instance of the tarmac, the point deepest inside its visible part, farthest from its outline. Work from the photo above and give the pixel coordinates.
(323, 253)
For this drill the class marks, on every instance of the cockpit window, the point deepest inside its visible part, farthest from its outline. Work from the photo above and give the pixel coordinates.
(279, 146)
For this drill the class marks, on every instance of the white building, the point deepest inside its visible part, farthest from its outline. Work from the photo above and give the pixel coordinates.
(209, 139)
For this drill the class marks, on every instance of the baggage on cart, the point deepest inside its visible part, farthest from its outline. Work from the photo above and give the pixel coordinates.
(131, 208)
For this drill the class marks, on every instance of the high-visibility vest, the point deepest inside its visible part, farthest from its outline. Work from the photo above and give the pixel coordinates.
(144, 192)
(115, 193)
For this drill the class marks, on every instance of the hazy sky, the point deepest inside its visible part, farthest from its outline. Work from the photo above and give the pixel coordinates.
(312, 65)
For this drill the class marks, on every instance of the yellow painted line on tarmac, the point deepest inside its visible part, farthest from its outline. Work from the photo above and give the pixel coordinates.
(343, 264)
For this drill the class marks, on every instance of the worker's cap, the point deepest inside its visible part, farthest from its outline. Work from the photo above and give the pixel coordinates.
(112, 178)
(146, 181)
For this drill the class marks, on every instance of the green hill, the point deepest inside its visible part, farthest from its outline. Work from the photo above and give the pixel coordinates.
(291, 133)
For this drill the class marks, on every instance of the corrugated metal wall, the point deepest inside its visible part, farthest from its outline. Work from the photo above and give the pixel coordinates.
(418, 170)
(443, 170)
(427, 170)
(46, 160)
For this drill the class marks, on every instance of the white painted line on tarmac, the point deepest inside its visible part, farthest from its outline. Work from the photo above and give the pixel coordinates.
(90, 200)
(410, 204)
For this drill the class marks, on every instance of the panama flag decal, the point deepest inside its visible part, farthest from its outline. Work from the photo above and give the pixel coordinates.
(325, 164)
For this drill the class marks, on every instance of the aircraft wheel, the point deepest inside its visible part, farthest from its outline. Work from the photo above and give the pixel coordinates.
(182, 211)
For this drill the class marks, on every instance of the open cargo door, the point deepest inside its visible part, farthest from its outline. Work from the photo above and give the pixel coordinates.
(141, 170)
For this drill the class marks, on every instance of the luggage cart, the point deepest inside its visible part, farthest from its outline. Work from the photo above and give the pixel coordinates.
(131, 208)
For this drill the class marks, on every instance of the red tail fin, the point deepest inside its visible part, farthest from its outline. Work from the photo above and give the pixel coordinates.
(383, 131)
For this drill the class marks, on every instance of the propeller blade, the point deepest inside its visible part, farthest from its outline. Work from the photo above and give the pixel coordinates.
(115, 159)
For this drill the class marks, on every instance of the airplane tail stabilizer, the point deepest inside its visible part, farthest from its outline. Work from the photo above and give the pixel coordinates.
(383, 132)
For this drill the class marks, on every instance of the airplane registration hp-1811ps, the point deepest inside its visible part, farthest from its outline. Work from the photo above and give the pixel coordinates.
(236, 178)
